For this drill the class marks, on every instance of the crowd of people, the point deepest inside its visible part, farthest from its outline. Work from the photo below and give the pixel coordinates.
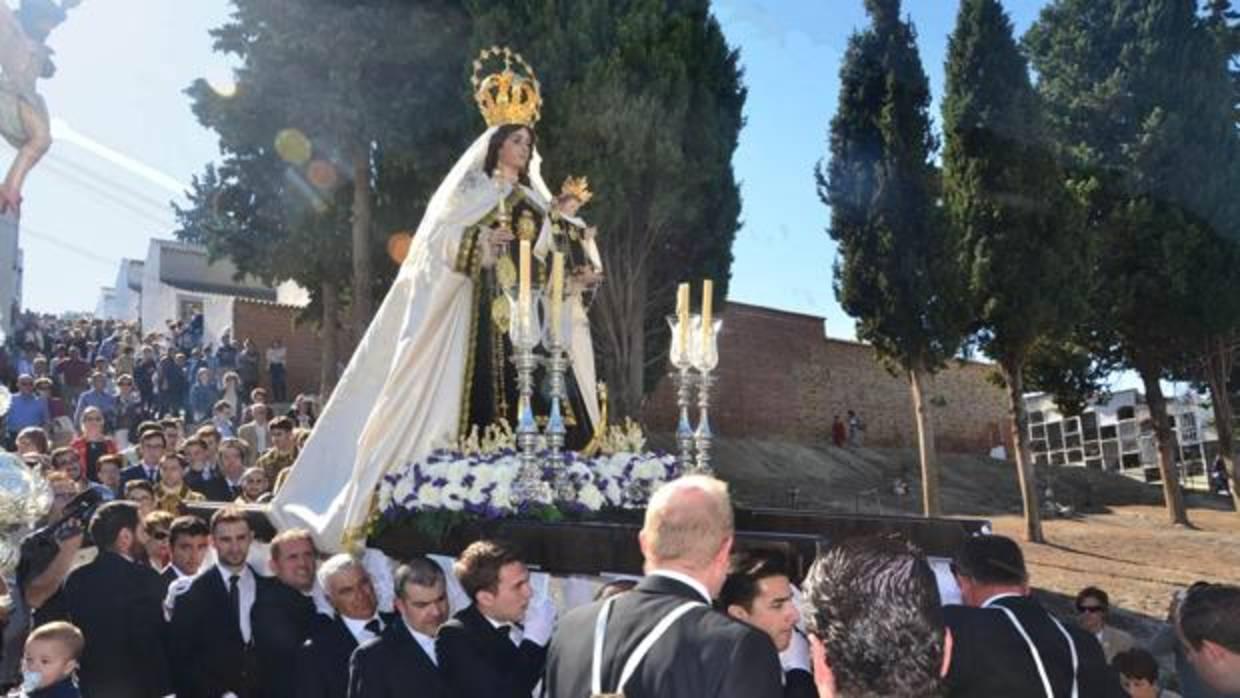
(144, 598)
(178, 606)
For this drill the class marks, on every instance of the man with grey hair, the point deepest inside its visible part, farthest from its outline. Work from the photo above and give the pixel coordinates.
(323, 662)
(404, 654)
(662, 639)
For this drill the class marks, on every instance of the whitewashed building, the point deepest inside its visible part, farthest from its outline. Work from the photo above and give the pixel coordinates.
(1118, 435)
(10, 272)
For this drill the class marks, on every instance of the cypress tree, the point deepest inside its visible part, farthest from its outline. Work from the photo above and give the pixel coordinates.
(896, 273)
(1004, 193)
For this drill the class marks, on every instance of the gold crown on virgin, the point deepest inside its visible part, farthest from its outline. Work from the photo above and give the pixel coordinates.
(506, 97)
(578, 187)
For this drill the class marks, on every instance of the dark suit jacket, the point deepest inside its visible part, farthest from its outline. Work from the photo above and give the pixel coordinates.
(118, 605)
(323, 661)
(205, 639)
(135, 472)
(394, 666)
(282, 620)
(989, 657)
(217, 489)
(480, 662)
(706, 653)
(799, 683)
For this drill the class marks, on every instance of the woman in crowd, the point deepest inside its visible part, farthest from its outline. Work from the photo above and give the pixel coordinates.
(302, 412)
(93, 442)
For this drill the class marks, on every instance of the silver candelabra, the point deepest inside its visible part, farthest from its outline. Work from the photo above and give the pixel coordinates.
(557, 367)
(524, 331)
(694, 354)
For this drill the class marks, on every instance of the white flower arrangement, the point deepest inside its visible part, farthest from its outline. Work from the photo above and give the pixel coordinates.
(479, 481)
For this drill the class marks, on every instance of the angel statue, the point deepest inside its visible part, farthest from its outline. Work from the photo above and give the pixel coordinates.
(434, 363)
(24, 58)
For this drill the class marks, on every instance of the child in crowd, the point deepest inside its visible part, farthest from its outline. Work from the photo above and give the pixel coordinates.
(1138, 674)
(51, 658)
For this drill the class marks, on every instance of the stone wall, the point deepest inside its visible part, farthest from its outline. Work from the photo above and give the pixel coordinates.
(779, 375)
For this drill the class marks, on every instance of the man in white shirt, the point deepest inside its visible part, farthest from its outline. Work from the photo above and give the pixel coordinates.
(323, 662)
(210, 630)
(404, 654)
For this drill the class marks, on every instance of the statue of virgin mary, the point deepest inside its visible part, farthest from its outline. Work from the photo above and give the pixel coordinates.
(434, 362)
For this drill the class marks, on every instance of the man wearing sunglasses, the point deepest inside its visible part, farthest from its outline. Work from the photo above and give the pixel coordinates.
(1093, 608)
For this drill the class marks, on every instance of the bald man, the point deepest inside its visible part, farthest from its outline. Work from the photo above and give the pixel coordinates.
(686, 541)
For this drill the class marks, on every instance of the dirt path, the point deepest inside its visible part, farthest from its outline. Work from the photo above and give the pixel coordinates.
(1133, 554)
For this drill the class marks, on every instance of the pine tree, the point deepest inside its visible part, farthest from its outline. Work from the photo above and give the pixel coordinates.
(896, 273)
(1152, 156)
(1004, 193)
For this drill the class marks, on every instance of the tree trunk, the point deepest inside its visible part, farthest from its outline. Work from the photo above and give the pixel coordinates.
(925, 443)
(1162, 433)
(1014, 378)
(327, 333)
(362, 275)
(1218, 373)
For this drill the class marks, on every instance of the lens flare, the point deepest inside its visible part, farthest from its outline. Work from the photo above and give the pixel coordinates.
(322, 174)
(293, 146)
(398, 245)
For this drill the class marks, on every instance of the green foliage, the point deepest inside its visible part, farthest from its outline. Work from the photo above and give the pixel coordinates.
(1020, 251)
(896, 273)
(339, 74)
(645, 98)
(1137, 98)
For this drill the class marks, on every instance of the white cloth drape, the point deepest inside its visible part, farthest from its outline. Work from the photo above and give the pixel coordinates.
(401, 393)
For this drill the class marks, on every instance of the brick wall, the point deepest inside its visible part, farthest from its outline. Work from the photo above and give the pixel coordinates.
(779, 375)
(261, 322)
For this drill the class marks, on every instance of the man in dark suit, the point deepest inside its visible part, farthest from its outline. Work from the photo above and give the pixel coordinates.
(188, 542)
(686, 540)
(323, 661)
(485, 651)
(151, 448)
(875, 621)
(991, 656)
(284, 614)
(758, 591)
(404, 654)
(210, 633)
(227, 487)
(116, 604)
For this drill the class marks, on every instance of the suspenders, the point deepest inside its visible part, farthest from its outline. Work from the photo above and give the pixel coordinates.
(635, 659)
(1037, 657)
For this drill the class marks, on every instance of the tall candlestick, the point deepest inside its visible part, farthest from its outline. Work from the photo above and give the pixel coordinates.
(557, 292)
(682, 316)
(523, 293)
(708, 295)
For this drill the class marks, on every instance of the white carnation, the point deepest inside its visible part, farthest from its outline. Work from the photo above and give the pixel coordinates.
(403, 489)
(650, 469)
(590, 497)
(429, 497)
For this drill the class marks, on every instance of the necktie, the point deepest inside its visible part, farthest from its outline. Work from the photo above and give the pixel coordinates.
(374, 626)
(234, 597)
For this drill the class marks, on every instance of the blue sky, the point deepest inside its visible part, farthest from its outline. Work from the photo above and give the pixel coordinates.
(123, 66)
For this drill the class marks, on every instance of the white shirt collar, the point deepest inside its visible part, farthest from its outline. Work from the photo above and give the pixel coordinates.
(358, 628)
(996, 597)
(683, 578)
(227, 573)
(426, 642)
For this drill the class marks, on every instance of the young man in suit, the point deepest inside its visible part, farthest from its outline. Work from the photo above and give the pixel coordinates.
(875, 621)
(485, 651)
(404, 654)
(1208, 625)
(188, 541)
(115, 602)
(151, 446)
(686, 541)
(758, 591)
(323, 661)
(210, 633)
(1006, 644)
(284, 613)
(227, 486)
